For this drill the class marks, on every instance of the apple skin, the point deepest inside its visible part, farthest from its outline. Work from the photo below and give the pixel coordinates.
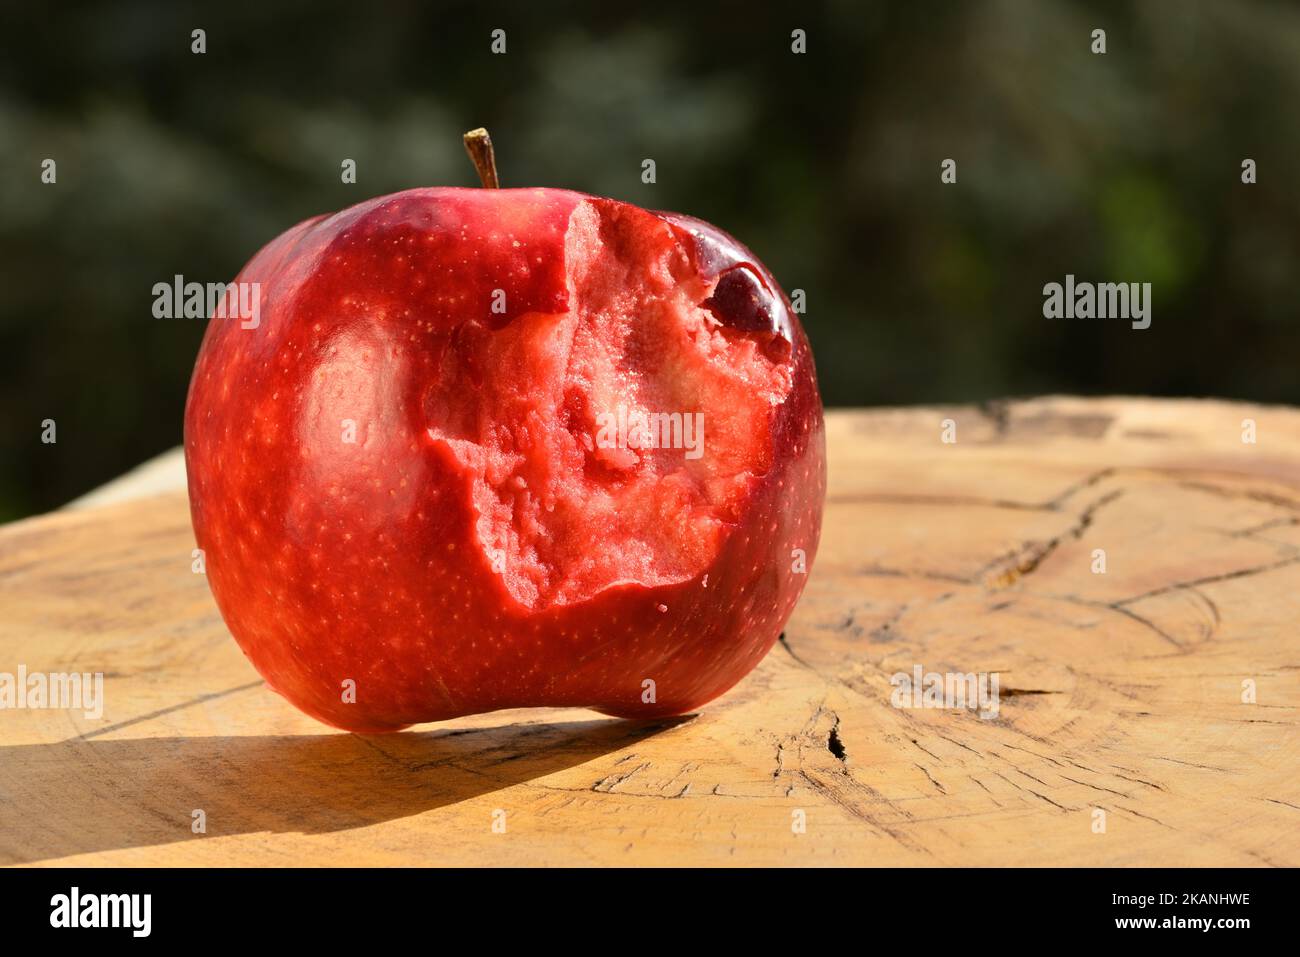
(335, 562)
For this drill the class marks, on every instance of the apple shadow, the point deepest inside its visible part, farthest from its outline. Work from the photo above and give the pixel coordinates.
(88, 794)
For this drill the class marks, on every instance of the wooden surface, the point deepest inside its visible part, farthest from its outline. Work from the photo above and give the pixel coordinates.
(1120, 692)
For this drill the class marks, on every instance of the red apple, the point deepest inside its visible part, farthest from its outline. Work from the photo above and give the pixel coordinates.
(411, 487)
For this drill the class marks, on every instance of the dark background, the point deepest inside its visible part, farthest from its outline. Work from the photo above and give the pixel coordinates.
(1122, 167)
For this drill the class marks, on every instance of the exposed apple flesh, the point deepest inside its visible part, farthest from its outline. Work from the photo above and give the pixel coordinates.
(477, 546)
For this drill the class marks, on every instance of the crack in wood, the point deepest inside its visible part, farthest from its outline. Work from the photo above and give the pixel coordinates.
(1209, 580)
(924, 770)
(607, 784)
(1026, 560)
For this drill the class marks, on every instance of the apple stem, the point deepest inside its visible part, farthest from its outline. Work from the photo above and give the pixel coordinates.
(479, 147)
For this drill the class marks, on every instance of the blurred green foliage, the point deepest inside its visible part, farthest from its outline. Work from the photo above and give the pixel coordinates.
(1121, 167)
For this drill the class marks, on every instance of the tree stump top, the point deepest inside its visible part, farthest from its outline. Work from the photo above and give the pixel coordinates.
(1128, 568)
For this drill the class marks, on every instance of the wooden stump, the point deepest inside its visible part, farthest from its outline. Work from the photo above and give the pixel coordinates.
(1157, 698)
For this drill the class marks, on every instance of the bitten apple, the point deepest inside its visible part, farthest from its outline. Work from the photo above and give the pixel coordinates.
(412, 491)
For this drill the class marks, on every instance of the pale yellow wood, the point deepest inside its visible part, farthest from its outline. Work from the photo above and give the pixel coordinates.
(1120, 691)
(162, 473)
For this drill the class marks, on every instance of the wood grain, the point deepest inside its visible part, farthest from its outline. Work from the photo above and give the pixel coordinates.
(1120, 692)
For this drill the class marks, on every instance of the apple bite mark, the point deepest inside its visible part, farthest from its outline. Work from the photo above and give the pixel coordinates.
(616, 441)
